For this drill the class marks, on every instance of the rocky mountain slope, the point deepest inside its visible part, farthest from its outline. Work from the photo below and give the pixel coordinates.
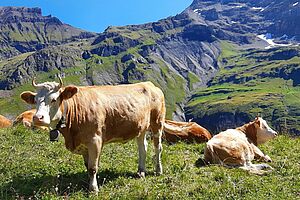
(25, 29)
(250, 83)
(237, 19)
(207, 59)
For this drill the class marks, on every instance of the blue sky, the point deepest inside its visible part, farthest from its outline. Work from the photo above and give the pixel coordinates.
(96, 15)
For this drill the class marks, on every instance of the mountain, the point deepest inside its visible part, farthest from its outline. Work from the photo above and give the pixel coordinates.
(251, 82)
(232, 18)
(25, 29)
(219, 63)
(166, 52)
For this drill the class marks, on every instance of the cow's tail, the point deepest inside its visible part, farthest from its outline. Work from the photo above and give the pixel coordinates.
(258, 169)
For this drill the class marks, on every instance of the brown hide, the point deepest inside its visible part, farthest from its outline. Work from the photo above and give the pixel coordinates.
(4, 122)
(116, 113)
(185, 131)
(250, 131)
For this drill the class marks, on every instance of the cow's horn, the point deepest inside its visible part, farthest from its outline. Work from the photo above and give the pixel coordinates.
(60, 81)
(33, 82)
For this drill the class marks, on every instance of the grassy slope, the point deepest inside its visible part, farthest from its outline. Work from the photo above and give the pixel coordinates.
(248, 91)
(171, 83)
(31, 166)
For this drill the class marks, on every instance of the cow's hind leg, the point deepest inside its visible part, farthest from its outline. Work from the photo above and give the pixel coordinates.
(142, 147)
(94, 150)
(157, 134)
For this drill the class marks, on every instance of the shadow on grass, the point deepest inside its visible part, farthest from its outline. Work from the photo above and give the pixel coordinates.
(200, 163)
(60, 185)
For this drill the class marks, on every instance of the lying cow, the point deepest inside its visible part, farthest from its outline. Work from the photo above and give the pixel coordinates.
(26, 117)
(4, 122)
(185, 131)
(238, 147)
(92, 116)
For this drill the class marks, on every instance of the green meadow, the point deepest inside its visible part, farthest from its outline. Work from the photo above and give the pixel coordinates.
(32, 167)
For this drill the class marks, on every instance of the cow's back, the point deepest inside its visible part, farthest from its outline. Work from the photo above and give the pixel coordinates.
(230, 147)
(4, 122)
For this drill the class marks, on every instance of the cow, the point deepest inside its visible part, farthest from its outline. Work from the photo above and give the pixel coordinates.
(185, 131)
(238, 147)
(91, 116)
(4, 122)
(26, 117)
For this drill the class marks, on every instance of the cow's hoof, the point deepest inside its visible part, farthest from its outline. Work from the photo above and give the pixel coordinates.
(158, 172)
(141, 174)
(94, 189)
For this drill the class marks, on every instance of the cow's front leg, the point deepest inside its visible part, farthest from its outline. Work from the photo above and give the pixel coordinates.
(158, 151)
(94, 150)
(259, 155)
(142, 147)
(86, 160)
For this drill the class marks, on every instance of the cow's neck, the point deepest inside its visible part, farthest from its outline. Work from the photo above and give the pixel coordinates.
(62, 122)
(250, 131)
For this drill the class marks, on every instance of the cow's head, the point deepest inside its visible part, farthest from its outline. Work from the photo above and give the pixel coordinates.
(264, 132)
(48, 98)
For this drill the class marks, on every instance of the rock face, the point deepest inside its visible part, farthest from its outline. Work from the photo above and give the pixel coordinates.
(25, 29)
(45, 60)
(241, 17)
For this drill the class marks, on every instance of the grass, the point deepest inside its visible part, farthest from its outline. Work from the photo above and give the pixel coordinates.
(33, 167)
(145, 35)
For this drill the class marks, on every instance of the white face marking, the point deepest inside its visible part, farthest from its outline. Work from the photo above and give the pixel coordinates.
(47, 104)
(264, 132)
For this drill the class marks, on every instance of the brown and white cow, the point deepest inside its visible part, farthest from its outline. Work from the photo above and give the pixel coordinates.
(238, 147)
(26, 118)
(185, 131)
(92, 116)
(4, 122)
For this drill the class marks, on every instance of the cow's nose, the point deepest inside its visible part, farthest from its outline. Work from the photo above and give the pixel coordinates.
(38, 117)
(275, 133)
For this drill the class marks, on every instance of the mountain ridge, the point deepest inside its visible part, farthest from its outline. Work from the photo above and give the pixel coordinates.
(191, 56)
(25, 29)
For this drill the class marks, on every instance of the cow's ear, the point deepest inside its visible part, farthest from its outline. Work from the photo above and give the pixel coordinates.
(257, 121)
(68, 92)
(28, 97)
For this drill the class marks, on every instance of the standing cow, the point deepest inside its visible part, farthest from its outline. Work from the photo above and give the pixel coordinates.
(238, 147)
(92, 116)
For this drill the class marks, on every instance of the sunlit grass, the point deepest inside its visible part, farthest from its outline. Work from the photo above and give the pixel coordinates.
(33, 167)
